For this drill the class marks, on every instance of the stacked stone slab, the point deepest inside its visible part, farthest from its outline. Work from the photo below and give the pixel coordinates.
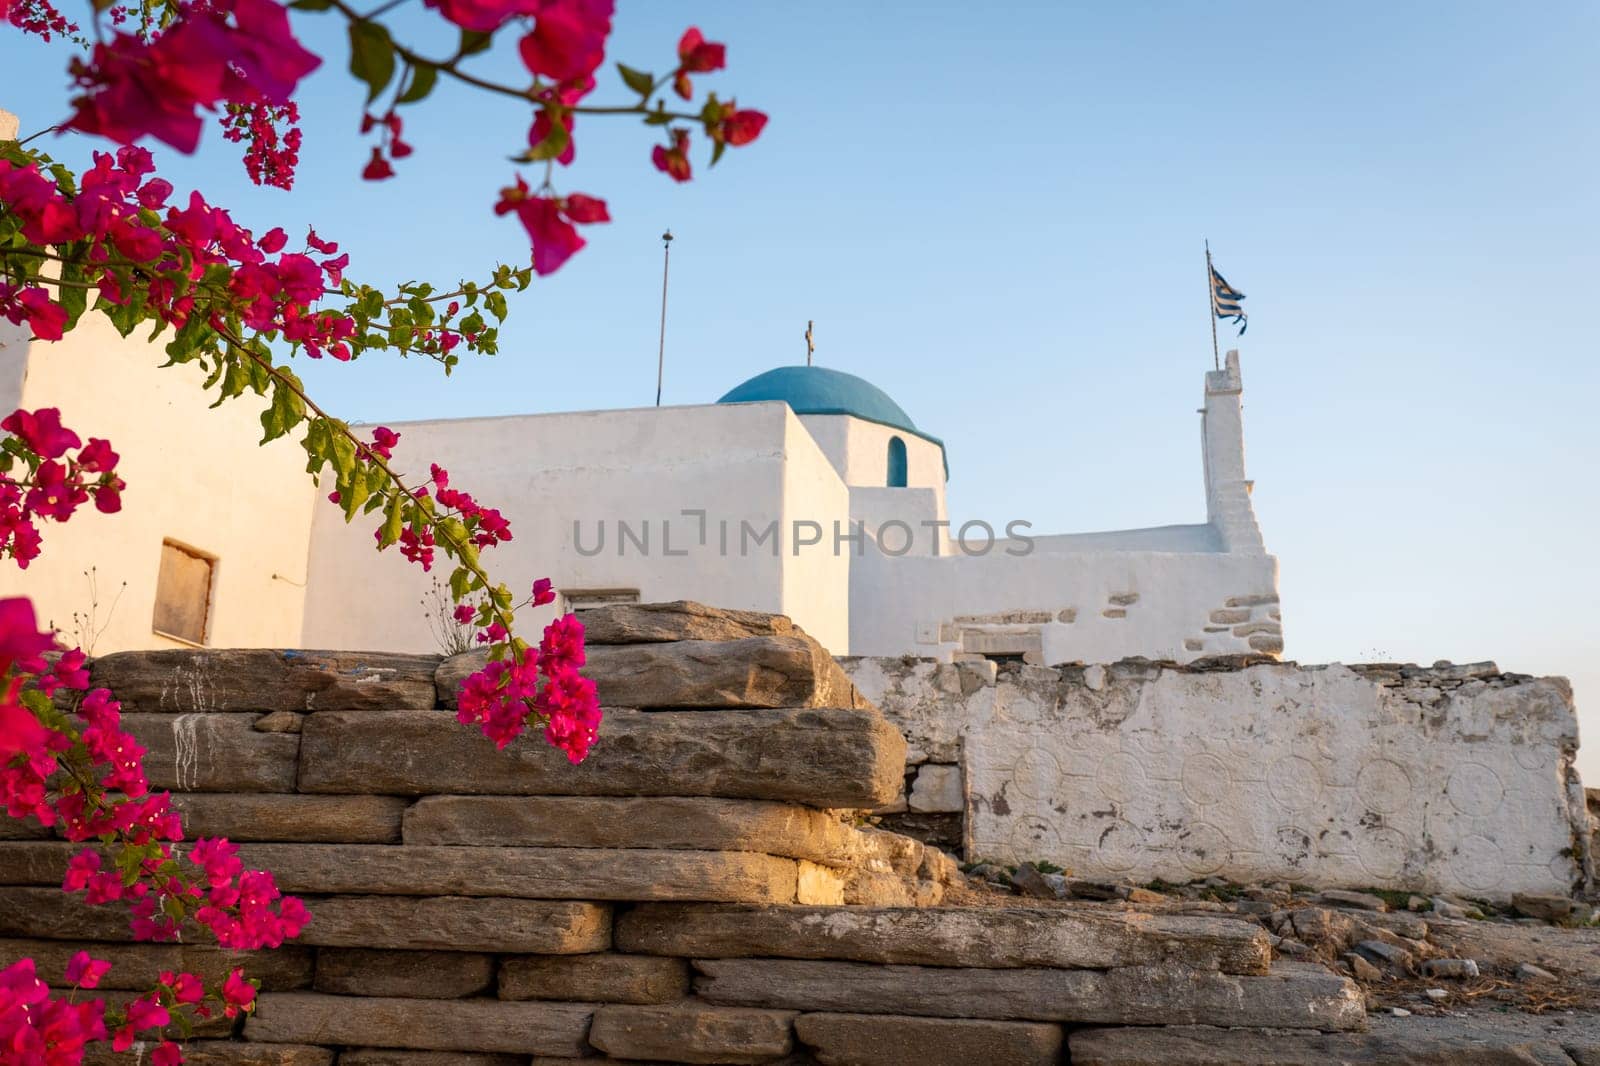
(697, 891)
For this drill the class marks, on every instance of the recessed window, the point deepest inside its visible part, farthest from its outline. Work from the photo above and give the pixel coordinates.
(183, 593)
(897, 463)
(583, 599)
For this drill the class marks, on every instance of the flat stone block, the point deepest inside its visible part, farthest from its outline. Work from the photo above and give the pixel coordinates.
(1291, 997)
(600, 978)
(992, 937)
(823, 758)
(887, 1040)
(51, 914)
(397, 1057)
(181, 681)
(308, 819)
(425, 1024)
(409, 974)
(215, 1053)
(455, 923)
(651, 623)
(673, 822)
(693, 1032)
(213, 753)
(526, 873)
(816, 884)
(937, 788)
(138, 966)
(791, 670)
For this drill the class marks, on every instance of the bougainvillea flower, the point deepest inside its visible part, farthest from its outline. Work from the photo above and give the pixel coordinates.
(549, 222)
(85, 971)
(265, 62)
(377, 167)
(41, 431)
(568, 41)
(696, 55)
(740, 127)
(543, 592)
(674, 161)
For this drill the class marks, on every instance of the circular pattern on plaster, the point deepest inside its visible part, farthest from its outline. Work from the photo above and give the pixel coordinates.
(1531, 756)
(1563, 870)
(1383, 785)
(1037, 774)
(1294, 846)
(1382, 851)
(1034, 838)
(1474, 789)
(1120, 846)
(1152, 741)
(1295, 783)
(1203, 848)
(1206, 779)
(1120, 776)
(1477, 862)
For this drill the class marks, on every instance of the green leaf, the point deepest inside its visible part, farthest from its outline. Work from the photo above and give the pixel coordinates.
(423, 79)
(717, 148)
(311, 5)
(637, 80)
(496, 303)
(353, 492)
(474, 41)
(371, 56)
(394, 519)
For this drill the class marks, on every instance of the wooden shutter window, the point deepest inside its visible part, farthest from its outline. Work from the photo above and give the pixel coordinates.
(183, 594)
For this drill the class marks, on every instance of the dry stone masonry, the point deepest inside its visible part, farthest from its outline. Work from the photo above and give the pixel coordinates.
(1454, 779)
(699, 891)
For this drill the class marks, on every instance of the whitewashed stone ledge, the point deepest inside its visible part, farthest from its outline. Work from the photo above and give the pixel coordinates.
(1446, 779)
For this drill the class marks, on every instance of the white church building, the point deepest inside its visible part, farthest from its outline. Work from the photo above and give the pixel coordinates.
(804, 490)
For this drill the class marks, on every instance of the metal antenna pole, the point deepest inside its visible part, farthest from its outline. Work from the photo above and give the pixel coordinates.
(1211, 305)
(661, 349)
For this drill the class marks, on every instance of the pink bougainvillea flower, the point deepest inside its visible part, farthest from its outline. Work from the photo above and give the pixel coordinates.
(86, 972)
(166, 1054)
(674, 161)
(740, 127)
(44, 316)
(265, 62)
(549, 221)
(543, 592)
(568, 40)
(237, 993)
(696, 55)
(41, 431)
(97, 456)
(20, 639)
(383, 441)
(377, 167)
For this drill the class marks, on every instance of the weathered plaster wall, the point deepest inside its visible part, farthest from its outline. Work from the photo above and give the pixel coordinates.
(195, 475)
(1457, 778)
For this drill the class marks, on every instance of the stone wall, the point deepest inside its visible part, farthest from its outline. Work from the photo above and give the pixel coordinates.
(1449, 778)
(696, 892)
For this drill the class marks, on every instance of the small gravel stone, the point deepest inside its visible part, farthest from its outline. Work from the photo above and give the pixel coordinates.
(1436, 994)
(1360, 900)
(1399, 1012)
(1361, 969)
(1461, 969)
(1529, 972)
(1030, 882)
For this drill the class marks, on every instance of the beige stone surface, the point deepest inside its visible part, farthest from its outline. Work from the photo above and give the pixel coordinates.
(597, 978)
(823, 758)
(138, 966)
(816, 884)
(182, 681)
(213, 753)
(527, 873)
(649, 623)
(425, 1024)
(677, 822)
(1292, 996)
(454, 923)
(1087, 937)
(693, 1032)
(755, 672)
(410, 974)
(887, 1040)
(310, 819)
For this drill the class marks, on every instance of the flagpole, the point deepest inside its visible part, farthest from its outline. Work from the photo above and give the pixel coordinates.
(1211, 305)
(661, 350)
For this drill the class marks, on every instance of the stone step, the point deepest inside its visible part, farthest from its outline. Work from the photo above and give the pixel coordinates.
(181, 681)
(301, 819)
(229, 1053)
(671, 822)
(427, 1024)
(406, 974)
(1086, 937)
(791, 670)
(137, 967)
(401, 1057)
(652, 623)
(822, 758)
(1291, 996)
(888, 1040)
(598, 978)
(690, 1031)
(213, 753)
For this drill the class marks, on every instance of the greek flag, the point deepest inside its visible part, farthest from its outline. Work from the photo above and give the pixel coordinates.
(1225, 300)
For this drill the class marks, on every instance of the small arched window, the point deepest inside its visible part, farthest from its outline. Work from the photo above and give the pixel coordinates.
(897, 463)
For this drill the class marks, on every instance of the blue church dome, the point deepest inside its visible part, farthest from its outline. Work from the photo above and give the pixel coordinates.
(816, 390)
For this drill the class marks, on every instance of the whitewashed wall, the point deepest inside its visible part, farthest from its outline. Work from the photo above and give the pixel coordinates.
(859, 451)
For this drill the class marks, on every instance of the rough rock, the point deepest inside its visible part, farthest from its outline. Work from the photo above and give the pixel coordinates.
(426, 1024)
(277, 817)
(824, 758)
(937, 788)
(976, 937)
(1459, 969)
(213, 753)
(452, 923)
(1387, 954)
(756, 672)
(674, 822)
(1339, 897)
(1293, 995)
(396, 1057)
(215, 1053)
(279, 722)
(411, 974)
(527, 873)
(51, 914)
(886, 1040)
(1030, 882)
(598, 978)
(181, 681)
(1529, 972)
(652, 623)
(1546, 907)
(1361, 969)
(138, 966)
(693, 1032)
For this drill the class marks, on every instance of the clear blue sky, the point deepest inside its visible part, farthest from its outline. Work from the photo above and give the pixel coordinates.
(995, 212)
